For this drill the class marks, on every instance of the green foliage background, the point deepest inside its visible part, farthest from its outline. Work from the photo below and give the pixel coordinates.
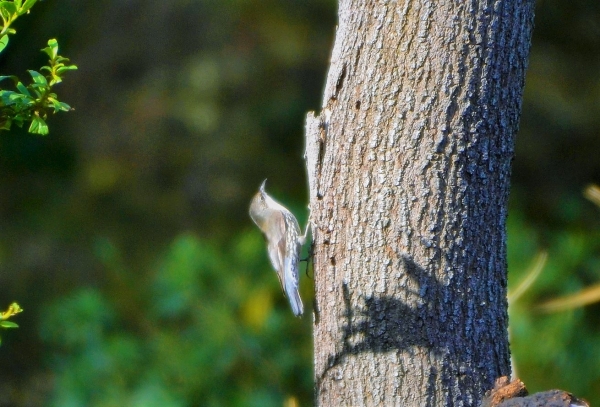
(125, 233)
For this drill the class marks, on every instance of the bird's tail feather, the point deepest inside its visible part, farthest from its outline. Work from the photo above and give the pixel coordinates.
(293, 295)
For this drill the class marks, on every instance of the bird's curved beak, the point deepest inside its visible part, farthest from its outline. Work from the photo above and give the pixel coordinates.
(262, 186)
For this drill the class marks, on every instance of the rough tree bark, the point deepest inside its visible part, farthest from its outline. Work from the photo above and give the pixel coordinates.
(409, 165)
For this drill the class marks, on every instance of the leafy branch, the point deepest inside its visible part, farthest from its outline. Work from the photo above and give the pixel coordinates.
(33, 102)
(9, 12)
(13, 309)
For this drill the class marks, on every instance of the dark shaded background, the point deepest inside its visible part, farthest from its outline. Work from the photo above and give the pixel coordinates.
(125, 234)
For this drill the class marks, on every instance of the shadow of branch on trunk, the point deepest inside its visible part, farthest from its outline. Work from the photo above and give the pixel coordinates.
(385, 324)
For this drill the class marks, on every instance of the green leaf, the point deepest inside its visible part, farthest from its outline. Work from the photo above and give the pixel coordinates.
(8, 324)
(5, 97)
(21, 101)
(28, 4)
(19, 120)
(9, 6)
(13, 77)
(6, 16)
(38, 126)
(57, 105)
(66, 68)
(23, 89)
(52, 49)
(8, 97)
(55, 79)
(6, 124)
(3, 42)
(64, 107)
(38, 77)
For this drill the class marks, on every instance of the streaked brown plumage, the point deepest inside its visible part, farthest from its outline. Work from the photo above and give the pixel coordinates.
(282, 233)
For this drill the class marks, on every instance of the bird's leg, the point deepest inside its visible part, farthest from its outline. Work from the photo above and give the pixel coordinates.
(309, 257)
(302, 241)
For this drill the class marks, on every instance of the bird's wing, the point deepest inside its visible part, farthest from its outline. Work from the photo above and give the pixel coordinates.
(290, 265)
(290, 282)
(276, 247)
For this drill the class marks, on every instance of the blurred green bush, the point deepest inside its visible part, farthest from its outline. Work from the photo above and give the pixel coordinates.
(556, 349)
(203, 327)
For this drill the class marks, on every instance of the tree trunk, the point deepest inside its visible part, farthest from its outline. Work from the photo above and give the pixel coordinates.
(409, 165)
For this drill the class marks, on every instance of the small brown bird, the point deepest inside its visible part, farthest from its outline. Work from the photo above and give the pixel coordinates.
(282, 233)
